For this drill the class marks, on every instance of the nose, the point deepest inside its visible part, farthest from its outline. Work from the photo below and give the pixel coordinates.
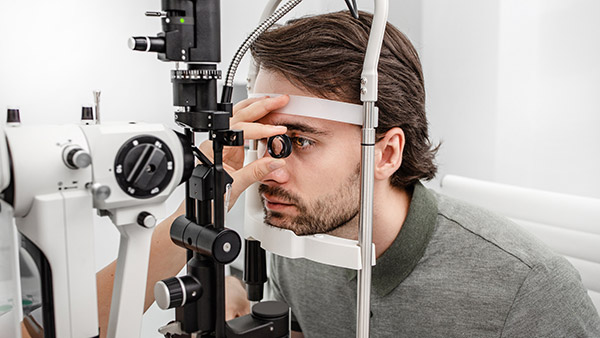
(277, 177)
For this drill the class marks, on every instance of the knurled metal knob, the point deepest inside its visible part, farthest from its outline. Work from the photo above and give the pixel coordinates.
(176, 291)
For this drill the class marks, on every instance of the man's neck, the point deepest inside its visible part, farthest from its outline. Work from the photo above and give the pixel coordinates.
(390, 207)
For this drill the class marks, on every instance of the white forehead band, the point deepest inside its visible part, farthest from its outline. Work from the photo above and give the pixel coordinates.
(320, 108)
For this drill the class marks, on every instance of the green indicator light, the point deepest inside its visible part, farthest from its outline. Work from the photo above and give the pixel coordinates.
(182, 20)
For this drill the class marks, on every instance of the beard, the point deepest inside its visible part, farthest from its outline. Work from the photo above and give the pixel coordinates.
(321, 215)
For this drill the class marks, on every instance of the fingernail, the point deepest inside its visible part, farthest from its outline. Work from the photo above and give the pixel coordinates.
(276, 164)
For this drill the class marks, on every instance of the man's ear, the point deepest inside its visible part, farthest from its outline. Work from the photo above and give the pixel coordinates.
(388, 153)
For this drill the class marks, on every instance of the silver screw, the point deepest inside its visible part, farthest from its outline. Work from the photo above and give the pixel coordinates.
(227, 247)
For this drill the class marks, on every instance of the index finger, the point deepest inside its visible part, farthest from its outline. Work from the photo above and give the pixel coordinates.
(245, 103)
(260, 108)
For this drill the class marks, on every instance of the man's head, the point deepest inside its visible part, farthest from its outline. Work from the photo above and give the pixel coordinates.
(322, 56)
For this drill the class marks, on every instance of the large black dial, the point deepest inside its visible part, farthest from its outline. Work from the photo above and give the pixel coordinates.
(144, 166)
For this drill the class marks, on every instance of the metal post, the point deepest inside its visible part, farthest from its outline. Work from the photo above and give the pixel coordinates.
(366, 221)
(368, 95)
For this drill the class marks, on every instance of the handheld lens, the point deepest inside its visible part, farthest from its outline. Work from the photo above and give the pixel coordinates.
(279, 146)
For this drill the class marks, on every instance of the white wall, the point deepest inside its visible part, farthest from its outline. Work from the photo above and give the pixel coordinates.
(513, 90)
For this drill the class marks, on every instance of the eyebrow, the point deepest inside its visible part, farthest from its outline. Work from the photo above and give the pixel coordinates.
(304, 128)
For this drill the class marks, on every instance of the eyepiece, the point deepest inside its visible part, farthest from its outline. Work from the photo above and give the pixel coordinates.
(146, 44)
(279, 146)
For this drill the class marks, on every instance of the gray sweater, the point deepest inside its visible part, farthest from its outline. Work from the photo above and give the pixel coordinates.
(453, 271)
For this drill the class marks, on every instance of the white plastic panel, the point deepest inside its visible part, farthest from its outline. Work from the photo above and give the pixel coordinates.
(590, 273)
(562, 240)
(565, 211)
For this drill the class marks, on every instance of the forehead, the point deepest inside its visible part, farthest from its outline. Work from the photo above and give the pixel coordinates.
(271, 82)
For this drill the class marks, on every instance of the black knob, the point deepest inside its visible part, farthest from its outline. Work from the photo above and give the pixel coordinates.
(255, 270)
(270, 310)
(146, 219)
(147, 44)
(177, 291)
(13, 115)
(144, 166)
(223, 245)
(87, 114)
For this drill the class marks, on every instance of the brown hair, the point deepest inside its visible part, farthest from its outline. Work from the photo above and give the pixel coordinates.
(324, 55)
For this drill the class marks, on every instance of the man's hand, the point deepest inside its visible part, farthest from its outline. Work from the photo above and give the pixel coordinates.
(236, 301)
(245, 114)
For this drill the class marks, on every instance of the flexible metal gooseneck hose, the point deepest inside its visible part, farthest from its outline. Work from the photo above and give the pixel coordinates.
(278, 14)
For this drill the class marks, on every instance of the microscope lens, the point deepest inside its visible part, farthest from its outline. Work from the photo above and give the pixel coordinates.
(279, 146)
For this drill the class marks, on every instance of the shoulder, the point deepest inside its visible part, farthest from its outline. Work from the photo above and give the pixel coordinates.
(548, 297)
(486, 230)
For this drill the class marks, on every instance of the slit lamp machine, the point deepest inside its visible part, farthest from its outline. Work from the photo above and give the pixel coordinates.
(126, 171)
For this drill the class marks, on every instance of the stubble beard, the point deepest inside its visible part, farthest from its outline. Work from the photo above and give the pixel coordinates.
(322, 215)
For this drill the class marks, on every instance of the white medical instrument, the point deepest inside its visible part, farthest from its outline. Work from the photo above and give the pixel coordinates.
(57, 175)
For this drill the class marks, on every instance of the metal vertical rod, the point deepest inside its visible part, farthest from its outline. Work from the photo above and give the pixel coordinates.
(368, 95)
(366, 221)
(97, 105)
(219, 224)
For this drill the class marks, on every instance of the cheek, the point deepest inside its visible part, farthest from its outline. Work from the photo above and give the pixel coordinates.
(323, 170)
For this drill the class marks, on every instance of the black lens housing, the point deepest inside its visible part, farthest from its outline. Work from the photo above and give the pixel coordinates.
(284, 142)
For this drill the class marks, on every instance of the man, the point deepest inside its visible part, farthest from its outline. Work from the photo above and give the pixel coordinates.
(444, 269)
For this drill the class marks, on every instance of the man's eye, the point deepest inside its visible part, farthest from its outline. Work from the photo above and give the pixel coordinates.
(301, 142)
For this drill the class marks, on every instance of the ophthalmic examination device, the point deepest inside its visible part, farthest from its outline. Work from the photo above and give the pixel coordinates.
(127, 170)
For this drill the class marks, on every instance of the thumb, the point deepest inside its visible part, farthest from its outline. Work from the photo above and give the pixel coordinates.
(251, 173)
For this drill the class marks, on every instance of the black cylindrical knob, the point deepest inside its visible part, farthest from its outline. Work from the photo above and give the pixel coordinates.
(223, 245)
(270, 310)
(87, 114)
(13, 115)
(177, 291)
(146, 219)
(147, 44)
(275, 312)
(255, 270)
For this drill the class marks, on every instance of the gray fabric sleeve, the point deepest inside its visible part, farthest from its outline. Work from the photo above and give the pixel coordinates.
(552, 302)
